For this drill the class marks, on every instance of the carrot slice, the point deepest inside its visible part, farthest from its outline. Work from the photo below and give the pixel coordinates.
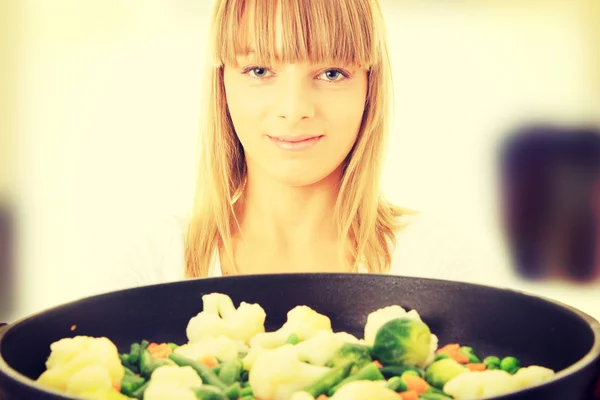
(409, 395)
(160, 351)
(209, 360)
(459, 357)
(151, 346)
(453, 351)
(377, 364)
(476, 366)
(322, 397)
(448, 347)
(415, 384)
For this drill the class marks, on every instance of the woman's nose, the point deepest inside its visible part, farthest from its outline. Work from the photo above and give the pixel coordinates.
(295, 101)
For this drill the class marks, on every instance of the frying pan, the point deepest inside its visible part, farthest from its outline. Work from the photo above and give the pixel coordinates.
(491, 320)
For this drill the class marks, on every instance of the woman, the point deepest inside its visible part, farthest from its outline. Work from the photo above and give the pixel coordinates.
(298, 104)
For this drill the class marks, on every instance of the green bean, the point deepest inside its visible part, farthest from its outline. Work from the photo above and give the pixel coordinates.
(145, 361)
(233, 392)
(139, 392)
(130, 383)
(230, 371)
(134, 353)
(369, 372)
(397, 370)
(206, 374)
(125, 361)
(209, 392)
(468, 352)
(329, 380)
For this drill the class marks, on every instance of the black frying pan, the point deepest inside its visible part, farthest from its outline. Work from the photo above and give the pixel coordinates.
(492, 321)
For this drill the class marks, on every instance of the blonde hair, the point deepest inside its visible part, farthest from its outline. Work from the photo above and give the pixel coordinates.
(350, 31)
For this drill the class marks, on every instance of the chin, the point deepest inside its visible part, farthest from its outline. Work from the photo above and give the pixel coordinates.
(306, 178)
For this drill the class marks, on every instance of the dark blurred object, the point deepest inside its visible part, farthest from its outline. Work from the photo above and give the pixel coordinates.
(550, 193)
(6, 261)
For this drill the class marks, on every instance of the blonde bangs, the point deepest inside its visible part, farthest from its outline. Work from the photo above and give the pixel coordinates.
(318, 31)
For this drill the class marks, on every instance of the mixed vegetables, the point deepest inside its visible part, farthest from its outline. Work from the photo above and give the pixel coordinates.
(230, 356)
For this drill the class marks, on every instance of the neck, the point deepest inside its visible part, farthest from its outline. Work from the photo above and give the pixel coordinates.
(288, 216)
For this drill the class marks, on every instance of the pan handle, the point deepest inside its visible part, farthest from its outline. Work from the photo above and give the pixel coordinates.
(3, 327)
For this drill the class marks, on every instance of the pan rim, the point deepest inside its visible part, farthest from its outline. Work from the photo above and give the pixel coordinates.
(591, 356)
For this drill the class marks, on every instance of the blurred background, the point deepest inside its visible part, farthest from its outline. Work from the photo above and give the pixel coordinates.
(496, 132)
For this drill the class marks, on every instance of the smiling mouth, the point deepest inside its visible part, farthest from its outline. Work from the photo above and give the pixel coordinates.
(296, 139)
(303, 142)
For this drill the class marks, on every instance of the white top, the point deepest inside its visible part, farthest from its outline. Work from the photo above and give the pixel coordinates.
(425, 248)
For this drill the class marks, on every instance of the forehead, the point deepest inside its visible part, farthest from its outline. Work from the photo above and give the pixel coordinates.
(297, 30)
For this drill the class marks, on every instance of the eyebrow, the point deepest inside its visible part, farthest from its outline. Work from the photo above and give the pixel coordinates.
(249, 51)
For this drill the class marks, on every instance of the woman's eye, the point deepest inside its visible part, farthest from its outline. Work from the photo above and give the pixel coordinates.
(333, 75)
(258, 72)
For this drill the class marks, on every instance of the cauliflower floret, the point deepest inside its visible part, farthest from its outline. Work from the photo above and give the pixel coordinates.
(70, 357)
(301, 320)
(317, 350)
(222, 347)
(378, 318)
(481, 384)
(277, 373)
(164, 391)
(302, 396)
(532, 376)
(220, 318)
(321, 347)
(92, 376)
(364, 390)
(172, 382)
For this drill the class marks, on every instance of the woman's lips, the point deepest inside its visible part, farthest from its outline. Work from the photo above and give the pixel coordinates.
(296, 143)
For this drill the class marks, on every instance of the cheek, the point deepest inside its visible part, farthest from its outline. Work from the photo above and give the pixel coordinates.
(246, 110)
(344, 114)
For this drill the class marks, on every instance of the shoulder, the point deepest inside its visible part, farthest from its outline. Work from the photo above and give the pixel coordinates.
(432, 247)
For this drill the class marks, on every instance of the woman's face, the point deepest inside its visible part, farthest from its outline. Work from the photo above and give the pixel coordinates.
(297, 122)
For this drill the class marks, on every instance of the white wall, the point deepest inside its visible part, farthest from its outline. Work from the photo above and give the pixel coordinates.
(108, 104)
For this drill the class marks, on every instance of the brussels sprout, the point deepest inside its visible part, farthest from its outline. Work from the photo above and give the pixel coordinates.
(442, 371)
(359, 354)
(491, 362)
(403, 341)
(510, 365)
(411, 372)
